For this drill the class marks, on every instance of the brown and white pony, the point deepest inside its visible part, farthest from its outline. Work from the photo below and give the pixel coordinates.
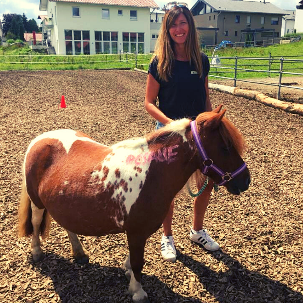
(92, 189)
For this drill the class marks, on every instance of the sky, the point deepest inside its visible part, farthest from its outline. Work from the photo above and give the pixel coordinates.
(31, 7)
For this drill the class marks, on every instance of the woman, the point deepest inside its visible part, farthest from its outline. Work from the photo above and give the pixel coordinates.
(178, 78)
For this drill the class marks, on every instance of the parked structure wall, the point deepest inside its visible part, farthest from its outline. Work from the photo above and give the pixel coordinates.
(90, 21)
(232, 24)
(299, 21)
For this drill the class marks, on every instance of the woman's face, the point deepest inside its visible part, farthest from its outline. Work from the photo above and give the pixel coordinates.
(179, 30)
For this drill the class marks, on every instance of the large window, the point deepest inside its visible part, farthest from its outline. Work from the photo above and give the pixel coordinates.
(105, 13)
(133, 42)
(76, 11)
(77, 42)
(274, 21)
(106, 42)
(237, 19)
(133, 15)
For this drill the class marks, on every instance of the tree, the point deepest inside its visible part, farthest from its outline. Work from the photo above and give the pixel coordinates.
(25, 22)
(17, 27)
(7, 20)
(32, 26)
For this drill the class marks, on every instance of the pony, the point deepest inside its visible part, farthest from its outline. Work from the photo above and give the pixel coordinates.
(93, 189)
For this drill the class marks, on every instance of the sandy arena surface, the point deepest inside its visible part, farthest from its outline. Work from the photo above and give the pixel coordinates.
(260, 231)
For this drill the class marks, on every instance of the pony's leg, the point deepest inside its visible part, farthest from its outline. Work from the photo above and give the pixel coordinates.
(136, 253)
(128, 268)
(78, 252)
(37, 217)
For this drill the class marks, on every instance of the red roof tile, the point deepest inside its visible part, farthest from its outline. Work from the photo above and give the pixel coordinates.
(137, 3)
(29, 36)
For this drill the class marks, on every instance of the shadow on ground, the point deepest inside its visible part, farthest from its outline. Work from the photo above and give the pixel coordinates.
(239, 284)
(95, 283)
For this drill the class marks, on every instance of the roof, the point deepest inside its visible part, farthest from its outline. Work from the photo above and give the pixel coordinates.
(42, 17)
(291, 16)
(29, 36)
(135, 3)
(241, 6)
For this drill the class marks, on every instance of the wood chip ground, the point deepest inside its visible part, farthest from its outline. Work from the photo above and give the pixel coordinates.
(260, 231)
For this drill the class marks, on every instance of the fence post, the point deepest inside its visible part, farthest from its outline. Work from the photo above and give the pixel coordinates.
(280, 77)
(269, 65)
(236, 67)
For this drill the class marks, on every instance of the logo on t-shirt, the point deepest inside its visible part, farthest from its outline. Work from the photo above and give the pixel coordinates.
(193, 72)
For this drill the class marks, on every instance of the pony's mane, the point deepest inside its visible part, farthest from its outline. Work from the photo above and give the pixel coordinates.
(230, 134)
(161, 134)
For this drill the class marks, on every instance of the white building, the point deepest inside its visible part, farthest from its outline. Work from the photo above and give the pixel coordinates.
(288, 23)
(299, 18)
(98, 26)
(156, 18)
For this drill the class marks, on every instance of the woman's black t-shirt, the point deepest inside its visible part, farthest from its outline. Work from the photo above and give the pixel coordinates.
(184, 94)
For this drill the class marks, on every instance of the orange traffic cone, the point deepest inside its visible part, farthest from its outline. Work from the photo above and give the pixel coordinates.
(62, 104)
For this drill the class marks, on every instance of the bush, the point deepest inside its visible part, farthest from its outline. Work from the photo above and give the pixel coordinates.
(10, 41)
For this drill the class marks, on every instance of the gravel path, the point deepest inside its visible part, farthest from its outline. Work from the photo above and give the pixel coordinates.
(260, 232)
(286, 93)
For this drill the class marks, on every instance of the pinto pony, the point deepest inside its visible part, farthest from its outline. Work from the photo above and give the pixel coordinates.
(94, 189)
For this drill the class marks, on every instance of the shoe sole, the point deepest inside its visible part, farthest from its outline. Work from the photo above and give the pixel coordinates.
(201, 245)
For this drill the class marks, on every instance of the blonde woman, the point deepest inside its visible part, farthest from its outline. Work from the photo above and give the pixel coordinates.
(178, 77)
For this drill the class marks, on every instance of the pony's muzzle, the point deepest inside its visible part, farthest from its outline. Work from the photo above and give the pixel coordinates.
(238, 185)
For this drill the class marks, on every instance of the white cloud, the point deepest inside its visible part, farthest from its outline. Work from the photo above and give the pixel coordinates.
(29, 7)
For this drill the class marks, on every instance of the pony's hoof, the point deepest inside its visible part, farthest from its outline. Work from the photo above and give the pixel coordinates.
(38, 257)
(138, 298)
(82, 259)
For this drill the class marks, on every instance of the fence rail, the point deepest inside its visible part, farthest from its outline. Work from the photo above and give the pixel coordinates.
(239, 68)
(100, 61)
(229, 68)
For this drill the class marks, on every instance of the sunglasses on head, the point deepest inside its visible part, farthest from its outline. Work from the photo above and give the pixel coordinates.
(172, 5)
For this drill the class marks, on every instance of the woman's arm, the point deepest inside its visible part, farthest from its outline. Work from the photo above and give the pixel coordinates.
(207, 101)
(152, 90)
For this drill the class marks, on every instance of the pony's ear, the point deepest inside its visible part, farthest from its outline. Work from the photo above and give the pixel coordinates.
(215, 121)
(217, 109)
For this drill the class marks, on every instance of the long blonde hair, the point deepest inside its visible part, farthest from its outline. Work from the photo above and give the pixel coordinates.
(164, 50)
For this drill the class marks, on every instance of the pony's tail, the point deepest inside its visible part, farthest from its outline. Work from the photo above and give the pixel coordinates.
(25, 226)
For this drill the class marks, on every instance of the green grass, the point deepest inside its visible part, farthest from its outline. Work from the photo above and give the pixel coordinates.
(275, 53)
(18, 57)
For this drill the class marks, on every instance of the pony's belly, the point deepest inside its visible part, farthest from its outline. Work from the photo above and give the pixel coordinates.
(86, 217)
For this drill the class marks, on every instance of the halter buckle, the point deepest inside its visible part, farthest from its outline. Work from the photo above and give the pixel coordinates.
(227, 177)
(208, 162)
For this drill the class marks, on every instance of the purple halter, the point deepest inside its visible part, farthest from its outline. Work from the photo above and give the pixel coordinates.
(209, 164)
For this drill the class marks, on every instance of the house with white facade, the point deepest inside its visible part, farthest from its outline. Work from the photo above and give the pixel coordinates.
(97, 26)
(156, 18)
(288, 23)
(299, 18)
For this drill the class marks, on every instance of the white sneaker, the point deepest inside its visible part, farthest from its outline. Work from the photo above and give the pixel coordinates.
(168, 249)
(203, 238)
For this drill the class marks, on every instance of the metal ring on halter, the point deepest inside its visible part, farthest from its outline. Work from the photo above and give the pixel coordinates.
(209, 161)
(227, 177)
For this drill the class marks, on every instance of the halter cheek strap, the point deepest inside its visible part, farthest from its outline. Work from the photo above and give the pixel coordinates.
(209, 164)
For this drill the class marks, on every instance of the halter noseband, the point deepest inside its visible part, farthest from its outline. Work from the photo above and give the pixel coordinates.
(209, 164)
